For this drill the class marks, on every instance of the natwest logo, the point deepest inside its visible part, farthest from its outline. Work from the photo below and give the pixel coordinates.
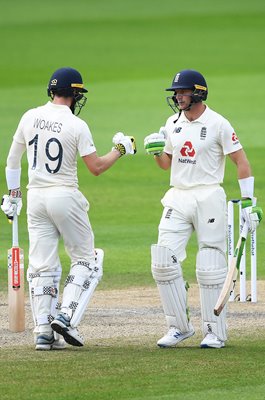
(187, 150)
(234, 137)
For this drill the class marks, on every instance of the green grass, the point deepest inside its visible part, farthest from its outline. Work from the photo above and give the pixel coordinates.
(128, 52)
(122, 371)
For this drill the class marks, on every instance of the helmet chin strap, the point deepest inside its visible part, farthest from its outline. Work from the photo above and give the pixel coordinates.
(72, 107)
(188, 107)
(175, 106)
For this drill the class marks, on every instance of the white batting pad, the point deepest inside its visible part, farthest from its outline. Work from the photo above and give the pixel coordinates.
(167, 273)
(44, 295)
(80, 286)
(211, 270)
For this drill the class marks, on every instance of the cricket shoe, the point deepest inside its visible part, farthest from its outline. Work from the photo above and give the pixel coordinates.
(174, 336)
(61, 325)
(48, 342)
(211, 341)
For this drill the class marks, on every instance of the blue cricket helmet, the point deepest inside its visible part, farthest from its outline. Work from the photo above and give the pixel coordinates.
(190, 79)
(68, 82)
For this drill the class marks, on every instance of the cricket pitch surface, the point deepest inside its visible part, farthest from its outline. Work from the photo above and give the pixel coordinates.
(135, 316)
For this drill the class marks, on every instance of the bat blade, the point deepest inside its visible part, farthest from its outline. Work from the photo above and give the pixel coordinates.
(16, 300)
(231, 276)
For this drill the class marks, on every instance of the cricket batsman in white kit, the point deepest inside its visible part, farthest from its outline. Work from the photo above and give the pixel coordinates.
(53, 135)
(194, 143)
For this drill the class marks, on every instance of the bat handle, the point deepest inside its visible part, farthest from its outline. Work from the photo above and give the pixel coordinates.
(244, 231)
(15, 228)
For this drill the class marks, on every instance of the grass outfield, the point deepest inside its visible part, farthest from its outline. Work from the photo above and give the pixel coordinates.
(122, 371)
(128, 52)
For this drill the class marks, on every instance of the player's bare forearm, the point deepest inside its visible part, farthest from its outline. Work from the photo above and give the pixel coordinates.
(164, 160)
(243, 167)
(97, 165)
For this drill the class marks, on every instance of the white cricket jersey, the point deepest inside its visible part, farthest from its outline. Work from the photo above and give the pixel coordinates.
(53, 137)
(198, 148)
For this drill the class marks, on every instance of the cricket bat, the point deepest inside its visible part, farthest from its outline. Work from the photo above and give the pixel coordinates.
(231, 276)
(16, 300)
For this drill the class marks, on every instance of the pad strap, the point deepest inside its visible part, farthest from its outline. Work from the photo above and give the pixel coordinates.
(44, 291)
(77, 280)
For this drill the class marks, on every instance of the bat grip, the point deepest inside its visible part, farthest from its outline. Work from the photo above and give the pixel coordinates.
(15, 228)
(244, 231)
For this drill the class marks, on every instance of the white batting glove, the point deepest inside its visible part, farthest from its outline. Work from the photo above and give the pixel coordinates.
(11, 202)
(124, 144)
(154, 144)
(251, 215)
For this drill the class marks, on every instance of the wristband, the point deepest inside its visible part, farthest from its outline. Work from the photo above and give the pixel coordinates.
(121, 148)
(15, 193)
(247, 187)
(13, 178)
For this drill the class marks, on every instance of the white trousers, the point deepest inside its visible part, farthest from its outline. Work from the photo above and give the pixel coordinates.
(55, 213)
(202, 210)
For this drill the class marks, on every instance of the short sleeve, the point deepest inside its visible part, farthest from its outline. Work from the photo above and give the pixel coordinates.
(85, 143)
(168, 147)
(229, 140)
(19, 134)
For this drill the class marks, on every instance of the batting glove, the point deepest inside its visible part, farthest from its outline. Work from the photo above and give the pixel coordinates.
(251, 215)
(12, 202)
(124, 144)
(154, 144)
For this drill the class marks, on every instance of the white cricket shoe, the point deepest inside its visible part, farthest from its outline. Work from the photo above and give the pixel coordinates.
(212, 341)
(48, 342)
(174, 336)
(59, 344)
(61, 325)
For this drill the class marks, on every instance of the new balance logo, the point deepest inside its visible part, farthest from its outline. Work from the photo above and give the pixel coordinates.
(168, 213)
(174, 259)
(178, 129)
(211, 220)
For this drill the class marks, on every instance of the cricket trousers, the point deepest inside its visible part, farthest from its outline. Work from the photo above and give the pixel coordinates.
(202, 210)
(55, 213)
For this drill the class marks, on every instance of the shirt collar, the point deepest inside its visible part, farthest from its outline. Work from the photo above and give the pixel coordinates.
(202, 118)
(58, 106)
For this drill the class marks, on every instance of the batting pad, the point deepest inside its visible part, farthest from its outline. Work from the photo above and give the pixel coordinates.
(44, 295)
(167, 273)
(80, 286)
(211, 270)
